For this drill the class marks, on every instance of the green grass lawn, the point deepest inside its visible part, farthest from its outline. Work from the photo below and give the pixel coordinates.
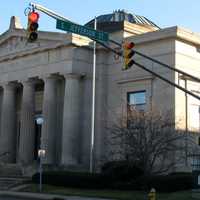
(112, 194)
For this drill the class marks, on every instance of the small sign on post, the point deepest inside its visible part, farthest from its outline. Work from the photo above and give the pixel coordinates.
(41, 154)
(82, 30)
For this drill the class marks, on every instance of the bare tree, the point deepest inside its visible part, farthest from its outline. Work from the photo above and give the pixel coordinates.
(150, 141)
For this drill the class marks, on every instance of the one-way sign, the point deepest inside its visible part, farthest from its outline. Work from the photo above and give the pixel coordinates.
(82, 30)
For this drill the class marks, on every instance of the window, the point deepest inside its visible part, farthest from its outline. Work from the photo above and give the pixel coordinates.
(137, 100)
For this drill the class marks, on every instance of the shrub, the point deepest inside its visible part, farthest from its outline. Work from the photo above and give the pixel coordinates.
(121, 170)
(167, 183)
(171, 182)
(72, 179)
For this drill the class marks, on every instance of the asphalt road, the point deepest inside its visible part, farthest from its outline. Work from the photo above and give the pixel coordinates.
(8, 195)
(10, 198)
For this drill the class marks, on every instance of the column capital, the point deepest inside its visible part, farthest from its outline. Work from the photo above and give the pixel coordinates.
(72, 76)
(52, 77)
(29, 81)
(9, 85)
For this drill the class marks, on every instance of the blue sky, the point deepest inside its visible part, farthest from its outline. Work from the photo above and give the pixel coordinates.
(164, 13)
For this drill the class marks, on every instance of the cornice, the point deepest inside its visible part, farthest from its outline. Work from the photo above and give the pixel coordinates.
(154, 35)
(34, 50)
(167, 33)
(136, 79)
(189, 36)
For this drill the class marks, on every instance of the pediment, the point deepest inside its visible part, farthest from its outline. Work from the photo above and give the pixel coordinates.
(14, 44)
(15, 41)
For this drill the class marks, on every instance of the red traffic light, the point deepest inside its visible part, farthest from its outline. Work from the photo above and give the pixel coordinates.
(33, 16)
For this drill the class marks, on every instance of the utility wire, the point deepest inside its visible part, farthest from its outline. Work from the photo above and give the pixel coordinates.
(154, 73)
(166, 80)
(169, 67)
(159, 62)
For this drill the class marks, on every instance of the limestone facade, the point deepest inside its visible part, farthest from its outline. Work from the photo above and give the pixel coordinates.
(52, 78)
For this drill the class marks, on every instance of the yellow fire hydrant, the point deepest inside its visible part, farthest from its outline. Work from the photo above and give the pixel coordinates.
(152, 194)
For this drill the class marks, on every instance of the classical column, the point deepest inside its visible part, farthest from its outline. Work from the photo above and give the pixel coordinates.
(71, 118)
(49, 111)
(8, 123)
(27, 130)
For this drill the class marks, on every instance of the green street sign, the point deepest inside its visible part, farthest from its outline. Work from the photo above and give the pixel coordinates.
(82, 30)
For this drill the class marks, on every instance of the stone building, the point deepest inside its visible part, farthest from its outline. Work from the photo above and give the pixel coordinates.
(52, 78)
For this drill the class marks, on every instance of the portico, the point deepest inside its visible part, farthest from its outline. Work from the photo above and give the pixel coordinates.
(26, 103)
(40, 81)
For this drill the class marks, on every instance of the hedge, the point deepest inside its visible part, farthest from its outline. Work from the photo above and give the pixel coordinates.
(72, 179)
(168, 183)
(121, 170)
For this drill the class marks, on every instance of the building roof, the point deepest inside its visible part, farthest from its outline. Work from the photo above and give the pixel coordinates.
(120, 16)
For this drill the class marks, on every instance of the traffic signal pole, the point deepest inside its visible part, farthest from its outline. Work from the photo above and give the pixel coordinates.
(186, 75)
(48, 12)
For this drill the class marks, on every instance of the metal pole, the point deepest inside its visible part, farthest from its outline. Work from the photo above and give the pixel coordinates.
(93, 102)
(40, 175)
(186, 121)
(49, 12)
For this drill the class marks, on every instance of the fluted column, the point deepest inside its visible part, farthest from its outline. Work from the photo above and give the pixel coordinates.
(71, 115)
(27, 131)
(8, 123)
(49, 111)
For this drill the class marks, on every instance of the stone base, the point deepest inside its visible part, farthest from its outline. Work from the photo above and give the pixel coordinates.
(75, 168)
(29, 170)
(10, 170)
(18, 170)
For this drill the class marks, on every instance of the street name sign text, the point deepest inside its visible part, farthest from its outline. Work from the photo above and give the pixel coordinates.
(82, 30)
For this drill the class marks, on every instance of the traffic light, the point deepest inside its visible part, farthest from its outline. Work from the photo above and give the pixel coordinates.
(33, 18)
(128, 54)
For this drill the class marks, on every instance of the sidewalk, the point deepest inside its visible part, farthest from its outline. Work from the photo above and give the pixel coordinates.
(32, 196)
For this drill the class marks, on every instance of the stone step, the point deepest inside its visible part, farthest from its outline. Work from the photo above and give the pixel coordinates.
(10, 170)
(8, 183)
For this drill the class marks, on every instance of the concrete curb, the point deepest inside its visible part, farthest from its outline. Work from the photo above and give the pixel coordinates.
(27, 195)
(32, 196)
